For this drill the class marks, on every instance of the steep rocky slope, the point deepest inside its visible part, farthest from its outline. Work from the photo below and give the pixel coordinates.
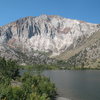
(89, 55)
(54, 36)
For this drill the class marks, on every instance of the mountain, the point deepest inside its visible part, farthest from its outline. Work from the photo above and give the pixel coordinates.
(48, 36)
(88, 55)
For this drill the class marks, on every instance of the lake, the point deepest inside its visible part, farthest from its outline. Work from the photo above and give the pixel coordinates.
(76, 85)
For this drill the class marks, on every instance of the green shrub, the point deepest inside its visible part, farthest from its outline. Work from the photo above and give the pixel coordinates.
(30, 88)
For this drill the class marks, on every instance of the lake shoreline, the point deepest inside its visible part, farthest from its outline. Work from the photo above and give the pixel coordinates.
(55, 67)
(62, 98)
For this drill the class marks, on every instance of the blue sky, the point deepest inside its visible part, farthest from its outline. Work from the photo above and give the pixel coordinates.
(86, 10)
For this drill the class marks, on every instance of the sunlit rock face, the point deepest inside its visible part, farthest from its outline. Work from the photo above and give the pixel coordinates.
(52, 34)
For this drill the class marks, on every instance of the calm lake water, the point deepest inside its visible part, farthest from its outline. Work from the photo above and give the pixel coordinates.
(76, 85)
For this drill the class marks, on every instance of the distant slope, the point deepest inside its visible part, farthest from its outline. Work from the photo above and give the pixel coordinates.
(87, 42)
(88, 55)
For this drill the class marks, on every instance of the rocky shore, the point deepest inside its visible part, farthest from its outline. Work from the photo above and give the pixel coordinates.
(62, 98)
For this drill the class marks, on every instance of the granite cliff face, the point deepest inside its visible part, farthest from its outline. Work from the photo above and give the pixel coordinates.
(50, 34)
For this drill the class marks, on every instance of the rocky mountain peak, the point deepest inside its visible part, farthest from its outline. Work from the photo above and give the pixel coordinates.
(52, 34)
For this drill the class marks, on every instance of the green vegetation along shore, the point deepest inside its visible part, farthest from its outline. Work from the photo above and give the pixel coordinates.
(25, 87)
